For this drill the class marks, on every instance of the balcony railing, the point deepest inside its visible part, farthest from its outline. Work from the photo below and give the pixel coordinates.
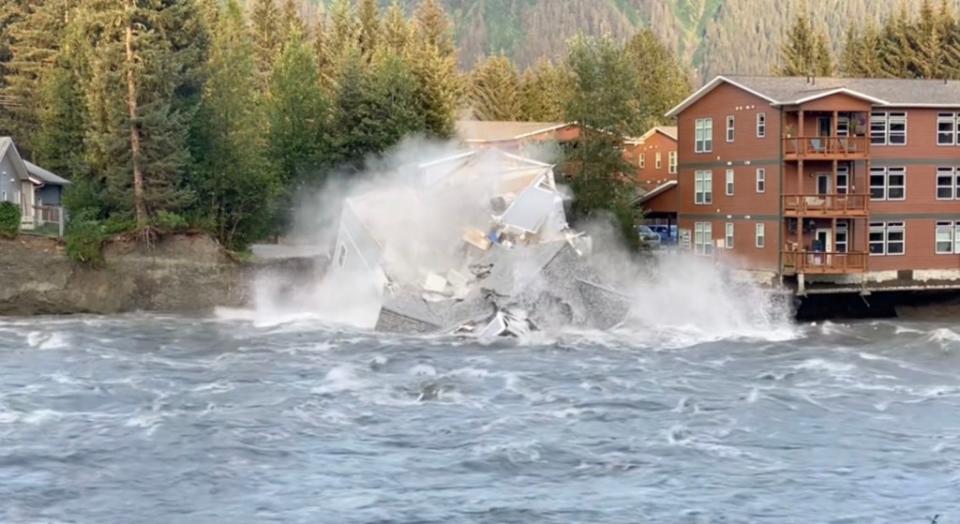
(825, 262)
(832, 204)
(825, 146)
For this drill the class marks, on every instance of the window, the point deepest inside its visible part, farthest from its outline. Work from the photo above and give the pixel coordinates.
(703, 187)
(761, 180)
(887, 238)
(761, 125)
(888, 183)
(672, 162)
(728, 183)
(948, 129)
(843, 126)
(841, 237)
(843, 180)
(659, 160)
(948, 183)
(642, 161)
(703, 238)
(730, 132)
(728, 238)
(761, 235)
(947, 237)
(703, 140)
(888, 128)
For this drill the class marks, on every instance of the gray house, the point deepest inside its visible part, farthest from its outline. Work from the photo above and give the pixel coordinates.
(38, 192)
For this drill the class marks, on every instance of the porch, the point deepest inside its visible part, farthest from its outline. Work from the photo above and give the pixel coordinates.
(824, 246)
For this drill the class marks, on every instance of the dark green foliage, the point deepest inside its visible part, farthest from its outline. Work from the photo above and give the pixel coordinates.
(9, 220)
(84, 240)
(168, 222)
(661, 83)
(495, 90)
(84, 197)
(603, 101)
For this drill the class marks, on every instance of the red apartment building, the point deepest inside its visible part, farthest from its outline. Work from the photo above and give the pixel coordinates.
(826, 180)
(653, 156)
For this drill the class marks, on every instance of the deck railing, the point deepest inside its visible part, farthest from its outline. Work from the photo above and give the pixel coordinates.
(831, 203)
(825, 262)
(823, 146)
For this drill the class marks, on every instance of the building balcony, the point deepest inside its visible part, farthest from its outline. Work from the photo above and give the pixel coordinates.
(826, 148)
(839, 205)
(824, 262)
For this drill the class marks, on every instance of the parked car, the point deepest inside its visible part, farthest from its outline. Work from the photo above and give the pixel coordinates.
(668, 234)
(648, 237)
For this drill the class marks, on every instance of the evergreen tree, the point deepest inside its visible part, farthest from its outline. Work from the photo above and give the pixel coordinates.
(928, 38)
(545, 91)
(896, 46)
(356, 124)
(343, 31)
(603, 104)
(35, 37)
(235, 187)
(396, 92)
(136, 132)
(62, 118)
(806, 51)
(662, 83)
(326, 67)
(494, 90)
(434, 27)
(297, 114)
(370, 27)
(266, 26)
(397, 33)
(291, 21)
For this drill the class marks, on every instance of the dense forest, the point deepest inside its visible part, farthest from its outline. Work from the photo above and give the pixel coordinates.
(212, 115)
(709, 36)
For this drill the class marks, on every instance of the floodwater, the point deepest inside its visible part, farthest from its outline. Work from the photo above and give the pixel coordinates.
(146, 418)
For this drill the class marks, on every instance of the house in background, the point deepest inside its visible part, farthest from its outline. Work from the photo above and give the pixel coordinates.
(514, 137)
(37, 191)
(653, 156)
(836, 184)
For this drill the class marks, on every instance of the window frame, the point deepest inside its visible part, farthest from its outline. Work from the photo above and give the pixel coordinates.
(672, 162)
(642, 160)
(950, 226)
(703, 135)
(884, 229)
(761, 180)
(952, 120)
(658, 160)
(886, 120)
(951, 174)
(761, 124)
(728, 182)
(760, 235)
(731, 132)
(703, 187)
(703, 238)
(886, 172)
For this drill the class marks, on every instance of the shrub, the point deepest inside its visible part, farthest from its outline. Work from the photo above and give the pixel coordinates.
(9, 219)
(84, 240)
(169, 222)
(83, 196)
(116, 225)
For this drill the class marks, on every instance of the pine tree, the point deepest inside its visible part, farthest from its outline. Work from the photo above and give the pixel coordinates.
(343, 30)
(928, 39)
(355, 117)
(297, 114)
(896, 48)
(396, 92)
(291, 21)
(806, 51)
(265, 24)
(495, 89)
(604, 105)
(370, 27)
(235, 187)
(662, 82)
(35, 40)
(137, 128)
(62, 119)
(397, 34)
(434, 27)
(326, 67)
(545, 91)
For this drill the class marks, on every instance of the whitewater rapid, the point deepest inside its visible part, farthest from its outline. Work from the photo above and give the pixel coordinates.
(153, 418)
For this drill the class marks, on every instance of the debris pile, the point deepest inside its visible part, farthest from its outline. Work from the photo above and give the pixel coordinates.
(480, 246)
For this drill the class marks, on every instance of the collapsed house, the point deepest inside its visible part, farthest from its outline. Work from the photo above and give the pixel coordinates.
(473, 243)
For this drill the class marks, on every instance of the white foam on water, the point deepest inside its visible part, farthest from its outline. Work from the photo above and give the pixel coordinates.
(46, 341)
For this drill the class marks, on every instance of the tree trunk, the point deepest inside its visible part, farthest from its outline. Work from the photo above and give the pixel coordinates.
(139, 202)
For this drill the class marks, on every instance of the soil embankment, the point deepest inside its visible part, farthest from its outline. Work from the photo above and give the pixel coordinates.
(178, 273)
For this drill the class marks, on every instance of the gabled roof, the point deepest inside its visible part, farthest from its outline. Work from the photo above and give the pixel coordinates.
(7, 147)
(790, 90)
(44, 176)
(668, 131)
(500, 131)
(659, 190)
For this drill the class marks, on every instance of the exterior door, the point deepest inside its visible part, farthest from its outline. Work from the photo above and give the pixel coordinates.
(843, 179)
(823, 244)
(823, 184)
(823, 126)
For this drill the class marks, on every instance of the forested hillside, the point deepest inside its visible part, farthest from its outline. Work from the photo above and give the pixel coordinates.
(712, 36)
